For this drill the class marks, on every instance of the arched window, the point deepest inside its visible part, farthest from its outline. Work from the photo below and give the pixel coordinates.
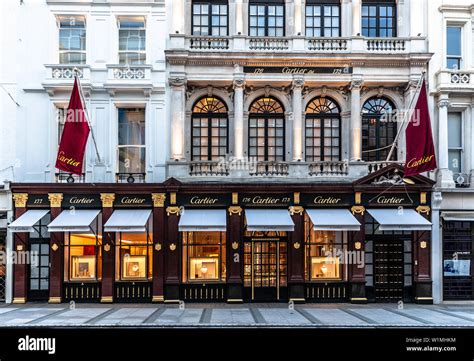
(209, 129)
(267, 130)
(378, 129)
(322, 131)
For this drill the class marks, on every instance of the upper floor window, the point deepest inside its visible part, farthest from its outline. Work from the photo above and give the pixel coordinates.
(455, 142)
(323, 131)
(209, 129)
(453, 46)
(378, 129)
(267, 130)
(131, 141)
(210, 18)
(322, 19)
(72, 40)
(132, 40)
(267, 19)
(379, 18)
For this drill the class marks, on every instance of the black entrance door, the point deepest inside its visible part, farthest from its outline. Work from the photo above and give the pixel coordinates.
(265, 270)
(38, 283)
(388, 270)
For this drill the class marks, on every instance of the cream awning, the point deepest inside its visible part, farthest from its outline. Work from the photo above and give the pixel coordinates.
(333, 220)
(128, 220)
(269, 220)
(200, 220)
(79, 220)
(399, 220)
(26, 222)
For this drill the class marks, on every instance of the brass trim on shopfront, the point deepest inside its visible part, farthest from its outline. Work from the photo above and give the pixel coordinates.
(54, 300)
(107, 200)
(159, 299)
(55, 199)
(158, 199)
(19, 300)
(107, 299)
(235, 210)
(358, 210)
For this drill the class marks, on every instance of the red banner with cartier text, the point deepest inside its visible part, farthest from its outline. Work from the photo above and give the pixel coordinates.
(74, 138)
(420, 151)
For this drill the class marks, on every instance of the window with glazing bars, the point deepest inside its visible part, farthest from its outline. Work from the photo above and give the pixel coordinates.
(131, 140)
(209, 129)
(323, 20)
(323, 131)
(267, 130)
(453, 47)
(378, 129)
(266, 19)
(379, 19)
(132, 40)
(72, 40)
(210, 18)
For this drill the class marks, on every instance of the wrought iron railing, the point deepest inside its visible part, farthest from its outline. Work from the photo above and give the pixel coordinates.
(209, 292)
(326, 292)
(130, 177)
(130, 292)
(70, 178)
(81, 292)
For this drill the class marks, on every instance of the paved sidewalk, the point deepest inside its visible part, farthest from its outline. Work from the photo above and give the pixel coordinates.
(246, 315)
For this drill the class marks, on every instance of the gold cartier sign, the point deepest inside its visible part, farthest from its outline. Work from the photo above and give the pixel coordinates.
(326, 200)
(390, 200)
(265, 200)
(80, 200)
(197, 200)
(133, 200)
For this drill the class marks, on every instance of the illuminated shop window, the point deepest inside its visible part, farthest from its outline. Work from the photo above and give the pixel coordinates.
(134, 256)
(83, 256)
(323, 253)
(204, 256)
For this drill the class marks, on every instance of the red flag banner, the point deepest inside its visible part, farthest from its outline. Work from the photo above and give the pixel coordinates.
(420, 151)
(74, 138)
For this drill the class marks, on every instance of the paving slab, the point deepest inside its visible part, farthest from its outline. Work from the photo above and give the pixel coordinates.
(334, 317)
(283, 316)
(126, 316)
(232, 316)
(26, 315)
(76, 316)
(177, 316)
(381, 316)
(434, 317)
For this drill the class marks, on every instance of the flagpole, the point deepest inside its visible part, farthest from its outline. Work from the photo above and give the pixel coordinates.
(76, 77)
(407, 115)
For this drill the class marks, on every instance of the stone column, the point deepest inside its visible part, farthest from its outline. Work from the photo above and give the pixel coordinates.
(108, 250)
(20, 244)
(356, 121)
(445, 176)
(356, 17)
(298, 16)
(177, 83)
(179, 16)
(239, 86)
(297, 86)
(56, 258)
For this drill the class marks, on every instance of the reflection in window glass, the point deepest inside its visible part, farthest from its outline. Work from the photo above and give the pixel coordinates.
(209, 19)
(132, 41)
(453, 47)
(131, 140)
(455, 143)
(266, 20)
(82, 255)
(378, 20)
(322, 20)
(72, 40)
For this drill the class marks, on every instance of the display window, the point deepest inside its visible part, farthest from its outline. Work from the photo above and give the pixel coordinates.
(83, 255)
(134, 256)
(204, 256)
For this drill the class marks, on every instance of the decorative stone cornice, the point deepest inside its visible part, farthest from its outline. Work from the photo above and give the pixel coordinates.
(107, 199)
(20, 199)
(55, 199)
(158, 199)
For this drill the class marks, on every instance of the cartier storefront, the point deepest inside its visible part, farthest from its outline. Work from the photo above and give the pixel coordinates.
(367, 241)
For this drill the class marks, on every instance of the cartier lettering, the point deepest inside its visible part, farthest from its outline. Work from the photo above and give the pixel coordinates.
(203, 200)
(326, 200)
(417, 162)
(390, 200)
(132, 200)
(81, 200)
